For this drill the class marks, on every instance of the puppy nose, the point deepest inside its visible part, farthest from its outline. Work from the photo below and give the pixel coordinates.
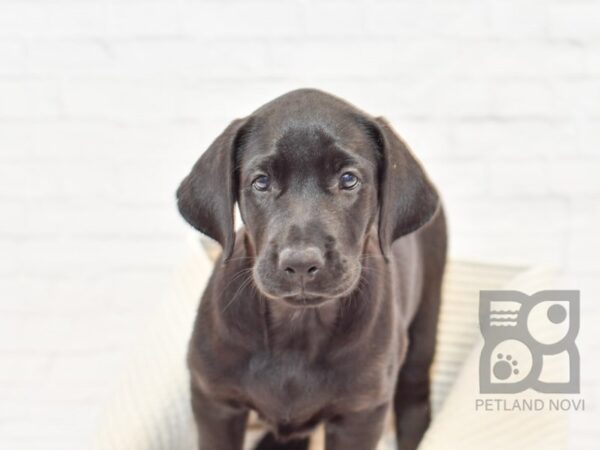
(299, 262)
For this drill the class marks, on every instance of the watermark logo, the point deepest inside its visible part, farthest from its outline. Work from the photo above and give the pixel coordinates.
(529, 342)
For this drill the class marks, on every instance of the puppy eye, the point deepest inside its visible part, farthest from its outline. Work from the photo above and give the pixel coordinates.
(261, 183)
(348, 181)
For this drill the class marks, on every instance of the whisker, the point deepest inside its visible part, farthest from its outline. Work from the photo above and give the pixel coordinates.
(237, 276)
(239, 290)
(371, 270)
(238, 258)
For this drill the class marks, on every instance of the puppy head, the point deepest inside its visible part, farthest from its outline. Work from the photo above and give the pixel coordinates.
(312, 175)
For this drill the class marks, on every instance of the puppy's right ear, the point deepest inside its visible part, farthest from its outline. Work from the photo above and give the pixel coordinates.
(206, 197)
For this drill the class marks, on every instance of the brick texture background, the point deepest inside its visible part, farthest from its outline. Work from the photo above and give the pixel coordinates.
(104, 106)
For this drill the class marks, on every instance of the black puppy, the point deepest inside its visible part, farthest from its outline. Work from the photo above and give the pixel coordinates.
(324, 306)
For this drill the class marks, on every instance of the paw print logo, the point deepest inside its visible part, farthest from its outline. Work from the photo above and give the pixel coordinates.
(505, 367)
(529, 342)
(511, 362)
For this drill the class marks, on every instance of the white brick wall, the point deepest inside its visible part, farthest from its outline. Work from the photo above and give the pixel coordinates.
(104, 106)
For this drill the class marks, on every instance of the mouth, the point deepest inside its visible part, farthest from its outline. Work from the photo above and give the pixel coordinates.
(303, 297)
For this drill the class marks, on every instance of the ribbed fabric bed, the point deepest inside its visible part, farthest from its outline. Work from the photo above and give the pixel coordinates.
(150, 410)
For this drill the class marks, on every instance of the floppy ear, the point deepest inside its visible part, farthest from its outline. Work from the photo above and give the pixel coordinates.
(407, 199)
(206, 197)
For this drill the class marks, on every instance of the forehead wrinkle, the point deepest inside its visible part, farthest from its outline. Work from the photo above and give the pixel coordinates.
(311, 146)
(357, 158)
(313, 161)
(270, 161)
(307, 137)
(261, 161)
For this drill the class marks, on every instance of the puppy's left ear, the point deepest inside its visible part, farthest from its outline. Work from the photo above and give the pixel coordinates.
(407, 199)
(206, 197)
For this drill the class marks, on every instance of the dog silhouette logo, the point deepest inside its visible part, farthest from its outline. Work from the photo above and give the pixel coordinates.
(529, 342)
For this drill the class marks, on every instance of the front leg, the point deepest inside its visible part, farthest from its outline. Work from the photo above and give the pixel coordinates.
(357, 431)
(220, 426)
(411, 400)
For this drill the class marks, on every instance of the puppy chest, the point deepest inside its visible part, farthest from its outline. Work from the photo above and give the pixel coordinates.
(295, 395)
(286, 390)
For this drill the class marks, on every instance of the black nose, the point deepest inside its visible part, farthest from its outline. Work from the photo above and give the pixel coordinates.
(300, 262)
